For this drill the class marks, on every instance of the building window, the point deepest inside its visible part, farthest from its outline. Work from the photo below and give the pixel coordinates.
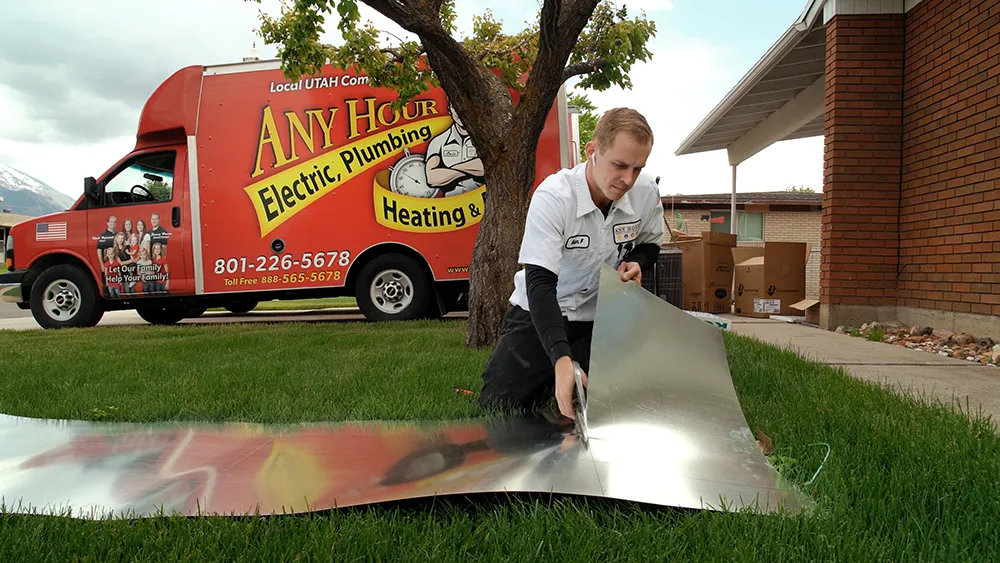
(750, 227)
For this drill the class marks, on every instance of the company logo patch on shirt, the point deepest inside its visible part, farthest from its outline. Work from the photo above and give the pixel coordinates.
(626, 232)
(579, 241)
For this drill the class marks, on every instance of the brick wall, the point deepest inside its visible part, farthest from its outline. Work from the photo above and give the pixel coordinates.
(779, 226)
(799, 226)
(950, 198)
(864, 76)
(693, 225)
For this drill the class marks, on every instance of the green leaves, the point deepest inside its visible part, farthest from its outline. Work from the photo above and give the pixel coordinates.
(510, 55)
(605, 52)
(610, 45)
(297, 30)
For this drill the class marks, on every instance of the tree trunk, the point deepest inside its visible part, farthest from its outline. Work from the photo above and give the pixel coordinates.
(494, 258)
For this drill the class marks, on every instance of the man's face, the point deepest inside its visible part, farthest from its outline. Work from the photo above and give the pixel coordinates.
(111, 223)
(618, 167)
(154, 221)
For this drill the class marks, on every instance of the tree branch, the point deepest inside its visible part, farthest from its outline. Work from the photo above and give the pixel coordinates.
(561, 23)
(444, 53)
(593, 65)
(397, 56)
(419, 19)
(499, 51)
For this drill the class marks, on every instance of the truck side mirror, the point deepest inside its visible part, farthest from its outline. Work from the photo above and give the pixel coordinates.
(90, 188)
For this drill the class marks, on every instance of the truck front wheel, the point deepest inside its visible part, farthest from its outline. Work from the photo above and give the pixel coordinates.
(65, 296)
(393, 287)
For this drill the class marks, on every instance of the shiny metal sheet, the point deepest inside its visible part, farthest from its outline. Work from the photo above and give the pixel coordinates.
(665, 427)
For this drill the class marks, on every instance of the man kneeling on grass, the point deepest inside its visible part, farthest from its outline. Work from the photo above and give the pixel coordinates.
(603, 211)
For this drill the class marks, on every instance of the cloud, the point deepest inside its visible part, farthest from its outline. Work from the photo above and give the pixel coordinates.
(675, 90)
(88, 76)
(64, 165)
(649, 6)
(74, 78)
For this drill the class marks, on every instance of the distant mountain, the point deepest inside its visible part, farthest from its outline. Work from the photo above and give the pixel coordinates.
(25, 195)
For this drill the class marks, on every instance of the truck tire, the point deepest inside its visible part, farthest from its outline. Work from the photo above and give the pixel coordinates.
(393, 287)
(161, 314)
(241, 307)
(65, 296)
(195, 311)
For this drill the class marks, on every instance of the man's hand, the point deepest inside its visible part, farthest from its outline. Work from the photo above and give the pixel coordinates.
(631, 271)
(565, 384)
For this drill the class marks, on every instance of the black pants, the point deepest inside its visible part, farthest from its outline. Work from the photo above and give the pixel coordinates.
(519, 375)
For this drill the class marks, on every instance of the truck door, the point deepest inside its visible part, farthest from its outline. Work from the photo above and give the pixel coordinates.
(137, 243)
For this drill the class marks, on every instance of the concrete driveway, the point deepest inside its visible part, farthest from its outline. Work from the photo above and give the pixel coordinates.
(11, 311)
(12, 318)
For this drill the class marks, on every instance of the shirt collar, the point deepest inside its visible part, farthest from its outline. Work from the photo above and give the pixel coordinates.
(585, 203)
(453, 135)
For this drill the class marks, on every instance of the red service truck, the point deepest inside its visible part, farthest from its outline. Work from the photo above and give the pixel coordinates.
(246, 187)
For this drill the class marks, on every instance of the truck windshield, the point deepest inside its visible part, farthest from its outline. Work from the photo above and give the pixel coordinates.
(148, 177)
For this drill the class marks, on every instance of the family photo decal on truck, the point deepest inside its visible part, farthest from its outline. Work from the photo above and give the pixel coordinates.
(442, 190)
(133, 259)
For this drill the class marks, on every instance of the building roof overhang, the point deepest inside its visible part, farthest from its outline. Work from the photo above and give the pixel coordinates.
(782, 97)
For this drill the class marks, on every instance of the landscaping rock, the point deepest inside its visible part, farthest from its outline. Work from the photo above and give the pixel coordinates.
(963, 339)
(945, 343)
(943, 334)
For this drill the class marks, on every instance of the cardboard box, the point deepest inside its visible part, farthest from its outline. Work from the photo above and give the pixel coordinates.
(810, 308)
(714, 320)
(707, 266)
(769, 284)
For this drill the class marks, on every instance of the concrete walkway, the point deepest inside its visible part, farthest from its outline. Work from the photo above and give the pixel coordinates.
(919, 373)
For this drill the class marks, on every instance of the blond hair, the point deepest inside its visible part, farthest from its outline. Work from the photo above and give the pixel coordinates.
(622, 120)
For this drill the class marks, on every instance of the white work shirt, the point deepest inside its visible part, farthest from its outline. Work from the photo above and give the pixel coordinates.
(566, 233)
(454, 148)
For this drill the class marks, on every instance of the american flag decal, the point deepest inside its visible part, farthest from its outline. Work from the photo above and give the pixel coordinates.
(50, 231)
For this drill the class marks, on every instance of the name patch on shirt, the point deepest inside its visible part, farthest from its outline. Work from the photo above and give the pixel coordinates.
(579, 241)
(626, 232)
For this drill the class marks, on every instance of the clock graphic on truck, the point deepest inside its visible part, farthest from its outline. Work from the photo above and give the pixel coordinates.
(408, 176)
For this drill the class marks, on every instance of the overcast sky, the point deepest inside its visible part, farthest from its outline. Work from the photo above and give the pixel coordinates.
(73, 79)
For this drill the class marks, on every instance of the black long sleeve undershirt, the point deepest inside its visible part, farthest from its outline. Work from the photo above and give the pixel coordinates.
(645, 254)
(545, 312)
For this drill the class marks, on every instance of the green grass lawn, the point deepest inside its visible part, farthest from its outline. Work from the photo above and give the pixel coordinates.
(904, 481)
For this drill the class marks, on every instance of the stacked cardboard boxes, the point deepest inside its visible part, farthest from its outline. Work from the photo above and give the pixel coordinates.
(770, 280)
(707, 269)
(767, 281)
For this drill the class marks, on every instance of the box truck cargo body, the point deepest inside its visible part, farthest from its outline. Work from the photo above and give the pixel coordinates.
(244, 186)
